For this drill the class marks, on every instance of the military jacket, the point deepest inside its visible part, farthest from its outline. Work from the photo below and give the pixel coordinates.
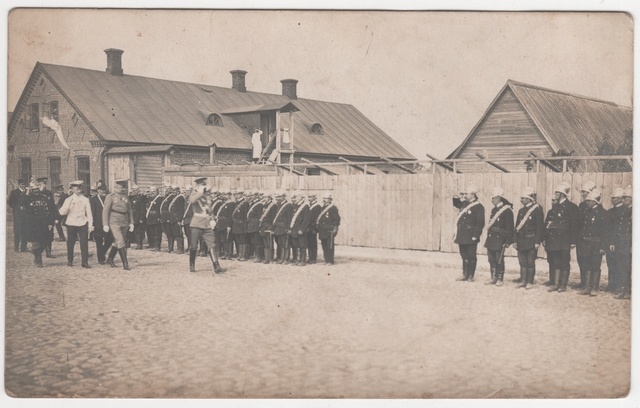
(153, 210)
(165, 214)
(591, 231)
(15, 198)
(500, 233)
(40, 212)
(97, 204)
(188, 214)
(139, 208)
(314, 212)
(224, 213)
(470, 222)
(117, 211)
(176, 208)
(328, 219)
(300, 220)
(531, 233)
(202, 213)
(266, 219)
(239, 217)
(283, 218)
(253, 216)
(619, 228)
(561, 226)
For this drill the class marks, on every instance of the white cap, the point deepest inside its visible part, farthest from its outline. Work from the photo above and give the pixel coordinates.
(594, 195)
(471, 189)
(588, 186)
(497, 192)
(279, 193)
(528, 193)
(563, 188)
(327, 194)
(618, 193)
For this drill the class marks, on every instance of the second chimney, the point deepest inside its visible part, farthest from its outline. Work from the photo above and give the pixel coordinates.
(289, 88)
(114, 61)
(237, 77)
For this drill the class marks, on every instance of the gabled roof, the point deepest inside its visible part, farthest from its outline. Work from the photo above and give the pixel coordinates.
(567, 121)
(135, 109)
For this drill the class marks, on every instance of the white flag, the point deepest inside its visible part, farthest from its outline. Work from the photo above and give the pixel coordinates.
(53, 124)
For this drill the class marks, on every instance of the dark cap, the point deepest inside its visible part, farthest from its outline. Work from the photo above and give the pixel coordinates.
(201, 180)
(122, 182)
(21, 181)
(60, 187)
(42, 179)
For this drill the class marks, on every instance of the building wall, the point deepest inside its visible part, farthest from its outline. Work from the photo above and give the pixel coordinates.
(42, 144)
(507, 131)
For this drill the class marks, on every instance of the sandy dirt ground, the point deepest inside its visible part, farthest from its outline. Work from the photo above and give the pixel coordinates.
(377, 324)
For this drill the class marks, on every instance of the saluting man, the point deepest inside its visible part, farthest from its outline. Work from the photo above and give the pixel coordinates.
(266, 224)
(469, 225)
(281, 225)
(153, 219)
(253, 226)
(117, 217)
(562, 223)
(79, 220)
(499, 234)
(298, 229)
(40, 213)
(529, 233)
(586, 188)
(312, 232)
(202, 225)
(590, 246)
(328, 223)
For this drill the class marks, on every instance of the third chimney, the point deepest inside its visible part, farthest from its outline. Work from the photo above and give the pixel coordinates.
(114, 61)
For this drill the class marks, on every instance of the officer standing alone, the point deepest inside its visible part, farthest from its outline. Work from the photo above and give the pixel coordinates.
(117, 217)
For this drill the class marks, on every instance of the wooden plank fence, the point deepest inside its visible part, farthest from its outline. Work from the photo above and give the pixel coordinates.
(412, 211)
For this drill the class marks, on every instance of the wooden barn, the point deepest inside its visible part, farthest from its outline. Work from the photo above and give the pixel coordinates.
(524, 119)
(75, 123)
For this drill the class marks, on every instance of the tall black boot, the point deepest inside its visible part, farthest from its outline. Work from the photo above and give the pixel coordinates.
(193, 254)
(465, 271)
(531, 273)
(259, 254)
(564, 279)
(242, 252)
(112, 255)
(472, 270)
(523, 277)
(494, 277)
(170, 242)
(500, 280)
(37, 256)
(302, 258)
(595, 282)
(123, 257)
(180, 243)
(216, 265)
(268, 255)
(294, 259)
(139, 239)
(552, 278)
(48, 251)
(555, 285)
(587, 283)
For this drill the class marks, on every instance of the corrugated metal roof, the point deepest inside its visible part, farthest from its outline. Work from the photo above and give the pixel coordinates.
(139, 149)
(568, 122)
(135, 109)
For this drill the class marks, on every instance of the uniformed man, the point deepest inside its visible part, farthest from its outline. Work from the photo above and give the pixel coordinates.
(42, 186)
(59, 198)
(469, 224)
(40, 214)
(499, 234)
(93, 191)
(298, 229)
(102, 239)
(224, 223)
(266, 225)
(187, 215)
(79, 219)
(117, 217)
(590, 245)
(561, 231)
(153, 220)
(529, 232)
(328, 223)
(586, 188)
(176, 211)
(312, 232)
(202, 225)
(239, 224)
(139, 211)
(280, 226)
(19, 233)
(621, 245)
(165, 216)
(615, 218)
(253, 226)
(199, 244)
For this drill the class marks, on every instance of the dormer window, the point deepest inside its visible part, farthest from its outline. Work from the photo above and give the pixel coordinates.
(214, 120)
(317, 129)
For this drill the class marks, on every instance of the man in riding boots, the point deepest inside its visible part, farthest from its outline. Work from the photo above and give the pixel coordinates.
(529, 232)
(102, 239)
(328, 223)
(202, 225)
(586, 188)
(117, 217)
(469, 225)
(298, 229)
(591, 245)
(499, 234)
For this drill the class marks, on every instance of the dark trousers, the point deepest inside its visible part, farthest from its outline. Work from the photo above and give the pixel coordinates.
(60, 230)
(560, 260)
(312, 246)
(267, 240)
(256, 241)
(299, 242)
(240, 238)
(19, 237)
(468, 253)
(38, 248)
(527, 258)
(75, 233)
(623, 263)
(328, 249)
(49, 241)
(613, 272)
(154, 235)
(283, 246)
(103, 241)
(496, 259)
(187, 233)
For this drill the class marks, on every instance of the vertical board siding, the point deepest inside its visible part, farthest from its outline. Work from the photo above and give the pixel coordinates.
(413, 211)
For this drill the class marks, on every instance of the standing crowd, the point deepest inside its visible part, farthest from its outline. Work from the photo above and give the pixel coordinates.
(221, 225)
(593, 231)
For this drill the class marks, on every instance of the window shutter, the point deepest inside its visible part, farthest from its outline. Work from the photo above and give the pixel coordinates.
(45, 110)
(35, 116)
(27, 118)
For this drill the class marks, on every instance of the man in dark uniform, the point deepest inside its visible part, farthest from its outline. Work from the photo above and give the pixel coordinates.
(529, 232)
(139, 210)
(59, 197)
(202, 225)
(93, 191)
(562, 223)
(199, 244)
(312, 232)
(298, 229)
(187, 215)
(42, 186)
(165, 216)
(621, 245)
(586, 188)
(102, 239)
(328, 223)
(280, 226)
(615, 219)
(239, 224)
(266, 224)
(224, 223)
(469, 225)
(499, 234)
(253, 226)
(40, 214)
(176, 210)
(153, 220)
(590, 245)
(15, 197)
(117, 217)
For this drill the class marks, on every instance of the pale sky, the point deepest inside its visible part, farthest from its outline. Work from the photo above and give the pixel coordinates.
(425, 78)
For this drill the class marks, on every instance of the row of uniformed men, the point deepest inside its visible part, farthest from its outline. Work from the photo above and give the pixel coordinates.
(588, 227)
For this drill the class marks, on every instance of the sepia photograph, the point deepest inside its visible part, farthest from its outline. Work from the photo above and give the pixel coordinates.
(315, 204)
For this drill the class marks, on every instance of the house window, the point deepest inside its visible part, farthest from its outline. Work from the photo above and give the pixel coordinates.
(84, 173)
(214, 120)
(55, 169)
(32, 117)
(313, 172)
(25, 169)
(317, 129)
(51, 110)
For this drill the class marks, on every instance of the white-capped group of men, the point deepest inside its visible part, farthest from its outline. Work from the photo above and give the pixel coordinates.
(593, 231)
(219, 224)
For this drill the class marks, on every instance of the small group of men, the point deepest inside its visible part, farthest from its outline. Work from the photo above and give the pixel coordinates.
(588, 227)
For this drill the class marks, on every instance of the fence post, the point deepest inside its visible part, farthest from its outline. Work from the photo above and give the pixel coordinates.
(564, 165)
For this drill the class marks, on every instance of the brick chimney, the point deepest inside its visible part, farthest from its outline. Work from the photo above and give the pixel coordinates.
(237, 78)
(114, 61)
(289, 88)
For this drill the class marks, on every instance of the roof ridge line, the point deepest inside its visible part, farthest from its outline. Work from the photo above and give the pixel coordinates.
(540, 88)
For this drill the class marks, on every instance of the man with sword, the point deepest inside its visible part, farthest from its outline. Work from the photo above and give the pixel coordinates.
(529, 233)
(328, 222)
(499, 234)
